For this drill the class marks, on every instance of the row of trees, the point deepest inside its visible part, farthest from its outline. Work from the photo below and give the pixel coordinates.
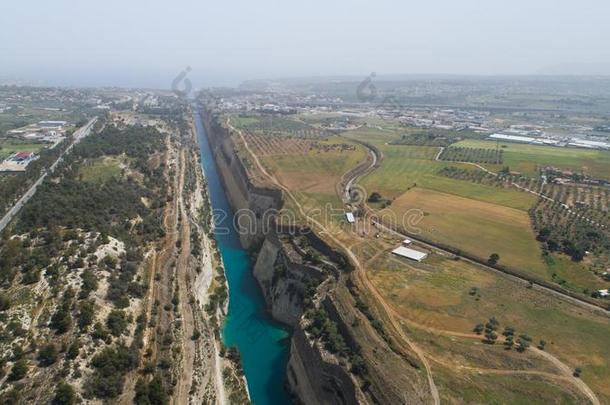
(474, 155)
(490, 329)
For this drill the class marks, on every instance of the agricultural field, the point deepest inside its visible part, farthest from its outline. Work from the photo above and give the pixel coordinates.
(406, 166)
(572, 219)
(443, 298)
(590, 200)
(309, 163)
(481, 214)
(476, 227)
(439, 301)
(314, 175)
(473, 155)
(8, 148)
(581, 196)
(269, 125)
(528, 158)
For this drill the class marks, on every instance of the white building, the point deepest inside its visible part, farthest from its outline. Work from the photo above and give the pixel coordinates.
(350, 217)
(410, 253)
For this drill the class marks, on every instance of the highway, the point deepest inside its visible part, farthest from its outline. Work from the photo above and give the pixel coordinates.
(78, 136)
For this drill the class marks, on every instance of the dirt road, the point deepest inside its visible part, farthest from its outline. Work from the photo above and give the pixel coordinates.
(354, 260)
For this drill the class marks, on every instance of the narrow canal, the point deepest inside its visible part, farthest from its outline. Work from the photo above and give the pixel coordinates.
(261, 342)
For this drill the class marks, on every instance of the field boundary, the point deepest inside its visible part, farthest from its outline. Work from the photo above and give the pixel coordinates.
(518, 274)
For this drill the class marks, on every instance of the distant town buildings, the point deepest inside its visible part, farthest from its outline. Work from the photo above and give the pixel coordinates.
(569, 142)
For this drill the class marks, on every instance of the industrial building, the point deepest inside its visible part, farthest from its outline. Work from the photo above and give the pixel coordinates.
(410, 253)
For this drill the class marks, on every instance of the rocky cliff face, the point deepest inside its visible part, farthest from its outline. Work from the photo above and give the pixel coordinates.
(292, 281)
(284, 279)
(289, 283)
(253, 205)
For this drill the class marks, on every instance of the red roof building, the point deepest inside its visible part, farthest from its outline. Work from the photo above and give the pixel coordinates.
(23, 155)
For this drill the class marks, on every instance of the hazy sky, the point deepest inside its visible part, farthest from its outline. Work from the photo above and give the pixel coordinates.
(146, 43)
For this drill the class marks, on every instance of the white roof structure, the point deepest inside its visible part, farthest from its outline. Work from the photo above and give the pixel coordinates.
(583, 143)
(604, 293)
(513, 138)
(410, 253)
(350, 217)
(52, 122)
(406, 242)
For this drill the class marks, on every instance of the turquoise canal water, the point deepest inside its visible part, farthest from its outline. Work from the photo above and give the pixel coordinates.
(262, 343)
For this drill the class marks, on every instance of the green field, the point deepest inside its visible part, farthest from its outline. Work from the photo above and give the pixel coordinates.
(312, 177)
(100, 170)
(526, 158)
(404, 166)
(441, 299)
(475, 227)
(476, 218)
(8, 148)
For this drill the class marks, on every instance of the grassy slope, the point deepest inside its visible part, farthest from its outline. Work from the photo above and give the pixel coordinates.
(440, 299)
(524, 158)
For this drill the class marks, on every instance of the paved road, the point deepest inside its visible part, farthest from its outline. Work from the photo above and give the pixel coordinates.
(78, 136)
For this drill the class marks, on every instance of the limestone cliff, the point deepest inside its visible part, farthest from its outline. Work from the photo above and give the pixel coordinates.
(253, 205)
(300, 274)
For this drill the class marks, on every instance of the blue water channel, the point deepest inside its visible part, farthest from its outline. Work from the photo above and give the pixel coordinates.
(262, 343)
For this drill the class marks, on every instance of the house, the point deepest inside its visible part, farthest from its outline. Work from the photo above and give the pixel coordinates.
(22, 156)
(410, 253)
(350, 217)
(603, 293)
(406, 242)
(17, 162)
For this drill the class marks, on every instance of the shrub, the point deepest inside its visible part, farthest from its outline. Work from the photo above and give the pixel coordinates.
(19, 370)
(62, 320)
(64, 394)
(47, 354)
(110, 365)
(5, 302)
(116, 322)
(73, 350)
(86, 314)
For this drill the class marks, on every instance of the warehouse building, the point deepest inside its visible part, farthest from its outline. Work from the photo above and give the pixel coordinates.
(410, 253)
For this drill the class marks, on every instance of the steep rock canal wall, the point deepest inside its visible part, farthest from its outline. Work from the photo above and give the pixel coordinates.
(262, 343)
(283, 277)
